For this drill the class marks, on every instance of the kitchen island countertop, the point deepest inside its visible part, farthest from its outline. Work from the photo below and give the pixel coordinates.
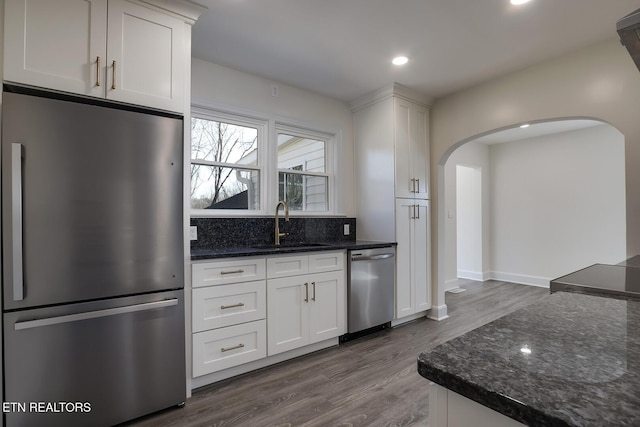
(285, 248)
(567, 360)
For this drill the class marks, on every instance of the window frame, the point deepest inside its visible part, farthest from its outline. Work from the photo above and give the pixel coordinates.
(268, 126)
(329, 141)
(262, 147)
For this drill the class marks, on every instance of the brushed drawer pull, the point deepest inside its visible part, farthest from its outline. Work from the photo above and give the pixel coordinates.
(240, 304)
(232, 272)
(314, 291)
(306, 292)
(235, 347)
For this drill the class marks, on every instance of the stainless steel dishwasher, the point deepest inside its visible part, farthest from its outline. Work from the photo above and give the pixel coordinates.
(371, 288)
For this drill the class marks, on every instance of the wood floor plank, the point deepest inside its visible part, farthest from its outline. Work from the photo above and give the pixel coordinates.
(371, 381)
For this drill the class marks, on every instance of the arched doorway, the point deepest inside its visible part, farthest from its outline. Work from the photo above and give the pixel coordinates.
(554, 202)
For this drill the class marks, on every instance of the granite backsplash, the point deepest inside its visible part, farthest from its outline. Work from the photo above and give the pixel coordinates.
(247, 232)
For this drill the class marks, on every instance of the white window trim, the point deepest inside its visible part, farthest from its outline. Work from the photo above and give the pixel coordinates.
(270, 124)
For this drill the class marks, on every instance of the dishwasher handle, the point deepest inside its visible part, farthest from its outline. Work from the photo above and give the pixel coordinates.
(371, 257)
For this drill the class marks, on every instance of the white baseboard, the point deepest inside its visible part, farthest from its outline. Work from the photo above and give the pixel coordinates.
(471, 275)
(522, 279)
(438, 312)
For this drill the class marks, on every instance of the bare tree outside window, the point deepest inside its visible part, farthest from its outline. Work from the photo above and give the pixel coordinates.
(224, 173)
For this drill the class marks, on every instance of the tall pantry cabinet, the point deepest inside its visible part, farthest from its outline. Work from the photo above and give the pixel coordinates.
(391, 129)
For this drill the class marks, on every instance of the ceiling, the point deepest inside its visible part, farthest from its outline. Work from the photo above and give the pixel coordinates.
(343, 48)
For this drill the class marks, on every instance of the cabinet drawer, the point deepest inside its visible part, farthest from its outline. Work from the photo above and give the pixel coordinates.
(227, 271)
(226, 305)
(283, 266)
(326, 261)
(227, 347)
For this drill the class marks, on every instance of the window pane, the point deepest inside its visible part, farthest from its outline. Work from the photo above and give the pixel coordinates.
(296, 151)
(303, 192)
(223, 142)
(214, 187)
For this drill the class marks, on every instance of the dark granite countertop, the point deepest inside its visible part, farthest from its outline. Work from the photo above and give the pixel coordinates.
(580, 366)
(616, 281)
(285, 248)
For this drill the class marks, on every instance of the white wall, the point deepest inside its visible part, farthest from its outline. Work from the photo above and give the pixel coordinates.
(235, 91)
(558, 204)
(469, 221)
(599, 82)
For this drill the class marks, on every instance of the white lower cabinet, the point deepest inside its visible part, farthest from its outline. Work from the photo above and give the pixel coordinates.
(308, 305)
(246, 309)
(304, 310)
(413, 258)
(228, 313)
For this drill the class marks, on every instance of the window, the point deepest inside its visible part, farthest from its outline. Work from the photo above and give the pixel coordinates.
(302, 171)
(225, 167)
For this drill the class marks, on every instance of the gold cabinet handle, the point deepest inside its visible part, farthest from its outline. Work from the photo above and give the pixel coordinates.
(306, 292)
(98, 71)
(235, 347)
(238, 271)
(314, 291)
(224, 307)
(113, 83)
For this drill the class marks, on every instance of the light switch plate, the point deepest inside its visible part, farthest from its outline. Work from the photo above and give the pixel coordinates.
(194, 232)
(346, 229)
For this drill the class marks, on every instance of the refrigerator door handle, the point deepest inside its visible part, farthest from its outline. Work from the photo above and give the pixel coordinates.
(16, 221)
(94, 314)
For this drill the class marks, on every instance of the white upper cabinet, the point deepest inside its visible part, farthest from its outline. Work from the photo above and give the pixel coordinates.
(58, 44)
(145, 63)
(411, 150)
(115, 49)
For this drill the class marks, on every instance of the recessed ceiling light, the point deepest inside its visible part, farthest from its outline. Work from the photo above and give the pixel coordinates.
(519, 2)
(526, 125)
(400, 60)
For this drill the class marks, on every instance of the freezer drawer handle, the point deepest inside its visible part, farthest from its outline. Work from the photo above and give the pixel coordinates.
(94, 314)
(16, 220)
(371, 257)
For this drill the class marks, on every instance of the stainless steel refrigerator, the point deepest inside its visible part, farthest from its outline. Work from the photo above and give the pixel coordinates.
(92, 265)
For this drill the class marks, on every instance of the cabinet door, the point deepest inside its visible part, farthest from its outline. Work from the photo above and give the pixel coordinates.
(405, 181)
(146, 57)
(405, 213)
(287, 314)
(420, 151)
(57, 44)
(411, 150)
(327, 306)
(421, 256)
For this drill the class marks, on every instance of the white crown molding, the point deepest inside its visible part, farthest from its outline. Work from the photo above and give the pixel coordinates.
(395, 89)
(189, 10)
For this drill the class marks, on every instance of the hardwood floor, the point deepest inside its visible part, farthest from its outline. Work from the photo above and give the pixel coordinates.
(371, 381)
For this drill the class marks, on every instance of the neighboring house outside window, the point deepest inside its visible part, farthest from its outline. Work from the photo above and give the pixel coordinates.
(302, 169)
